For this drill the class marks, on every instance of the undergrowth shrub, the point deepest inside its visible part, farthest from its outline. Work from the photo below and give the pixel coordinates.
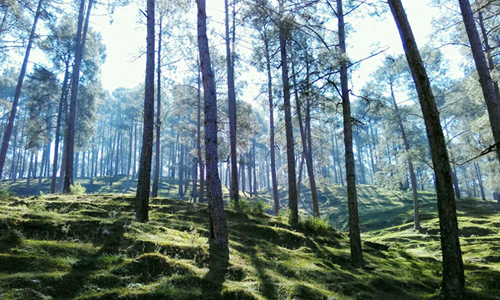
(316, 225)
(243, 205)
(257, 207)
(4, 194)
(284, 215)
(399, 247)
(77, 189)
(11, 237)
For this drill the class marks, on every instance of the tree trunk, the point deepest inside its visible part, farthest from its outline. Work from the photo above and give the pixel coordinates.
(92, 166)
(306, 150)
(489, 56)
(371, 147)
(490, 96)
(80, 46)
(143, 183)
(194, 194)
(271, 127)
(181, 171)
(156, 176)
(335, 173)
(117, 152)
(242, 174)
(28, 178)
(218, 226)
(75, 170)
(231, 111)
(339, 163)
(480, 180)
(39, 186)
(453, 269)
(413, 178)
(299, 180)
(17, 93)
(82, 173)
(130, 152)
(292, 181)
(134, 168)
(354, 234)
(255, 184)
(454, 172)
(14, 150)
(198, 140)
(249, 169)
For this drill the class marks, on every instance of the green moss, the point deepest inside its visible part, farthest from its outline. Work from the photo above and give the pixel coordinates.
(89, 247)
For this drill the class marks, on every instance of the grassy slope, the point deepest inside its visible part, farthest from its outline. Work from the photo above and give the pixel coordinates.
(87, 247)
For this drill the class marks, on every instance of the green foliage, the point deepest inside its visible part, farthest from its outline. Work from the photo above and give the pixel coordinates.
(284, 215)
(4, 194)
(74, 237)
(77, 189)
(399, 247)
(316, 225)
(11, 237)
(256, 207)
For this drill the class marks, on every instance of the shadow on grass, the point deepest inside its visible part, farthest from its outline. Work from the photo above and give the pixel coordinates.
(268, 288)
(217, 269)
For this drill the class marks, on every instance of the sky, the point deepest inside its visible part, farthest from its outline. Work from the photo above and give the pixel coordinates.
(124, 38)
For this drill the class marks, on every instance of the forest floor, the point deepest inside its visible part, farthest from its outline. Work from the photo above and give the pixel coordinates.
(88, 247)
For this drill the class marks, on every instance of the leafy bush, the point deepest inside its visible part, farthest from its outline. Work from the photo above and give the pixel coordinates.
(317, 225)
(399, 247)
(4, 194)
(11, 237)
(259, 207)
(77, 189)
(243, 205)
(284, 215)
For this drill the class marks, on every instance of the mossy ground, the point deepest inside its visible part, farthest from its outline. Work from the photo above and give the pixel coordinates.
(89, 247)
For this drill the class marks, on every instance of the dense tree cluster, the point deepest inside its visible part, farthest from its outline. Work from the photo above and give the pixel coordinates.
(410, 127)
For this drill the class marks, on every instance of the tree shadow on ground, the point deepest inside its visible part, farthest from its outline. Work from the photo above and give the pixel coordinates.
(268, 288)
(217, 269)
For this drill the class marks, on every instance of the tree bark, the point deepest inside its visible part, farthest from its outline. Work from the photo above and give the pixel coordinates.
(156, 178)
(480, 180)
(17, 93)
(130, 152)
(80, 46)
(413, 178)
(453, 269)
(143, 183)
(292, 181)
(218, 226)
(28, 178)
(231, 94)
(198, 140)
(181, 171)
(306, 143)
(354, 233)
(490, 96)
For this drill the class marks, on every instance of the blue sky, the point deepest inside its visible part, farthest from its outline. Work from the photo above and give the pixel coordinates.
(124, 38)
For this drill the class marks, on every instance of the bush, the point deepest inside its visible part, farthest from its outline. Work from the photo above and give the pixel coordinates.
(317, 225)
(243, 205)
(11, 237)
(259, 207)
(4, 194)
(284, 215)
(77, 189)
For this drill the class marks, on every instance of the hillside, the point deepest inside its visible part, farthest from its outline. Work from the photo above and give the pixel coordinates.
(88, 247)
